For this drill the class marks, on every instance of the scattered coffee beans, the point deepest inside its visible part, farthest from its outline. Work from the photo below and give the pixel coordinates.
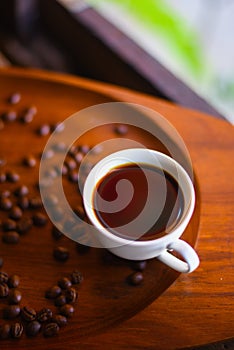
(135, 278)
(76, 277)
(61, 254)
(15, 213)
(60, 301)
(44, 130)
(17, 330)
(30, 161)
(24, 225)
(53, 292)
(5, 203)
(33, 328)
(13, 281)
(64, 283)
(12, 176)
(4, 290)
(44, 315)
(28, 314)
(8, 225)
(3, 277)
(39, 219)
(10, 312)
(60, 320)
(14, 296)
(14, 98)
(9, 116)
(5, 331)
(71, 295)
(67, 310)
(51, 329)
(10, 237)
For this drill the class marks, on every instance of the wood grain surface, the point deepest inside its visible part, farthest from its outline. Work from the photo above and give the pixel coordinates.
(168, 311)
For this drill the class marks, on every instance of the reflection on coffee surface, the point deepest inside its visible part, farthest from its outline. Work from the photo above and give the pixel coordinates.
(148, 183)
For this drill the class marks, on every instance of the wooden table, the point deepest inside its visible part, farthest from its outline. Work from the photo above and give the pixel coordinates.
(197, 308)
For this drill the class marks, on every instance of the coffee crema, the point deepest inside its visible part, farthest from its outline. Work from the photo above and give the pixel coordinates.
(160, 216)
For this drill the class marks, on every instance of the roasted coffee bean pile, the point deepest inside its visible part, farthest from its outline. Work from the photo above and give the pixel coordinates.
(20, 319)
(21, 210)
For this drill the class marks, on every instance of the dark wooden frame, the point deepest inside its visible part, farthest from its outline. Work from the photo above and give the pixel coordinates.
(96, 48)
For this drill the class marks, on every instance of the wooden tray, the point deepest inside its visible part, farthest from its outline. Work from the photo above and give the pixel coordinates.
(182, 316)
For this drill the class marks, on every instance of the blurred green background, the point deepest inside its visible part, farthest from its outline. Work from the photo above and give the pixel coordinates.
(194, 39)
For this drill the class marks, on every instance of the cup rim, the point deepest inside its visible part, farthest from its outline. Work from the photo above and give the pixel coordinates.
(176, 232)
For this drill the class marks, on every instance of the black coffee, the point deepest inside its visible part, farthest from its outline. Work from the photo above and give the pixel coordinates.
(151, 186)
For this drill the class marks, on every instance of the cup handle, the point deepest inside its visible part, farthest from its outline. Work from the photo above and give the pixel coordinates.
(186, 251)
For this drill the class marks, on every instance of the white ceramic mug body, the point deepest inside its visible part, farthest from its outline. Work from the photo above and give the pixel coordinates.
(146, 249)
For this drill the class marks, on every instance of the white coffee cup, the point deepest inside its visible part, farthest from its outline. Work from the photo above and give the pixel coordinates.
(163, 246)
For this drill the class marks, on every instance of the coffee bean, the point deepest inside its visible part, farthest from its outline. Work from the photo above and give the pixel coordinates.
(58, 127)
(84, 149)
(76, 277)
(39, 219)
(1, 261)
(17, 330)
(135, 278)
(70, 164)
(14, 296)
(10, 237)
(51, 329)
(5, 194)
(5, 204)
(44, 130)
(71, 295)
(138, 265)
(23, 203)
(2, 177)
(78, 157)
(15, 213)
(61, 253)
(73, 176)
(3, 277)
(35, 203)
(12, 176)
(121, 129)
(10, 312)
(53, 292)
(4, 290)
(24, 225)
(21, 191)
(28, 115)
(56, 233)
(13, 281)
(8, 225)
(64, 283)
(5, 331)
(9, 116)
(44, 315)
(67, 310)
(30, 161)
(60, 301)
(60, 320)
(33, 328)
(14, 98)
(28, 314)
